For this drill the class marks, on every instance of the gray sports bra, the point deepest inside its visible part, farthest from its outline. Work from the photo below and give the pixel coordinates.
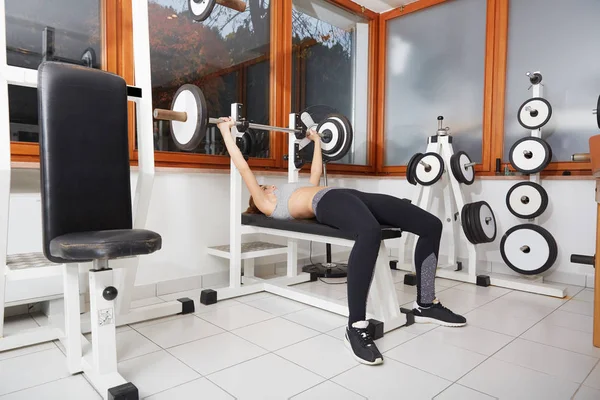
(283, 195)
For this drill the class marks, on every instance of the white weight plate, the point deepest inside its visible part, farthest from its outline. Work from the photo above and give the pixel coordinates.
(538, 155)
(199, 8)
(539, 249)
(336, 137)
(468, 172)
(428, 177)
(525, 200)
(335, 134)
(543, 115)
(184, 131)
(487, 221)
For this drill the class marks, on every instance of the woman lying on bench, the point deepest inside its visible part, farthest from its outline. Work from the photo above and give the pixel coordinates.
(360, 214)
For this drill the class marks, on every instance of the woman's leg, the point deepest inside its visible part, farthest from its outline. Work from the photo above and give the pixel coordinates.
(341, 209)
(390, 210)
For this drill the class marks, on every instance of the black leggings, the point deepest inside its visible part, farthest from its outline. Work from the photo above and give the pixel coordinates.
(362, 215)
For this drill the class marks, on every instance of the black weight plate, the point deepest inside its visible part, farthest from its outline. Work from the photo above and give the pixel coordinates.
(483, 231)
(186, 137)
(247, 143)
(428, 178)
(541, 154)
(598, 112)
(201, 10)
(410, 177)
(539, 120)
(466, 223)
(528, 249)
(527, 200)
(456, 165)
(88, 58)
(345, 139)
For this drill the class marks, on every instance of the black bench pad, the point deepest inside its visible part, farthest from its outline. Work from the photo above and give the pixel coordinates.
(310, 226)
(98, 245)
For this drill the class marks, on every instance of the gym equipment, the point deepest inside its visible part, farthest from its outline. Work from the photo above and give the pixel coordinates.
(383, 302)
(530, 155)
(201, 9)
(528, 249)
(189, 122)
(66, 322)
(596, 112)
(527, 200)
(534, 113)
(462, 168)
(410, 168)
(428, 168)
(478, 222)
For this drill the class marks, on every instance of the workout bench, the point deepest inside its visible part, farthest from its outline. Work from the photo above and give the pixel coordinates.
(387, 314)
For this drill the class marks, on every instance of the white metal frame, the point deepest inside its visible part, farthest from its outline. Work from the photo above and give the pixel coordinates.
(382, 296)
(97, 359)
(454, 201)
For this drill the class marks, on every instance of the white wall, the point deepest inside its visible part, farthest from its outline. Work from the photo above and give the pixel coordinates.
(191, 211)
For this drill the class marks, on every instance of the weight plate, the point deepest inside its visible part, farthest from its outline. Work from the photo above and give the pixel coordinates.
(201, 9)
(465, 218)
(410, 174)
(331, 141)
(247, 142)
(344, 138)
(598, 112)
(534, 113)
(188, 135)
(483, 222)
(528, 249)
(530, 155)
(462, 173)
(430, 173)
(88, 58)
(527, 200)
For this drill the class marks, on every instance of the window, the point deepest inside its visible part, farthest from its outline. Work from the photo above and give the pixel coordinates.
(331, 66)
(435, 65)
(227, 56)
(563, 47)
(62, 30)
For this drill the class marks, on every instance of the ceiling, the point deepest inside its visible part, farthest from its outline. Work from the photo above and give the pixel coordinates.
(380, 6)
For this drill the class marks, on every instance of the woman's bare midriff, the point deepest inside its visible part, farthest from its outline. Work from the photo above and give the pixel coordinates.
(300, 203)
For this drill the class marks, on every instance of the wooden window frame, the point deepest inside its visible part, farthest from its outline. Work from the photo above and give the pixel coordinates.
(499, 90)
(487, 163)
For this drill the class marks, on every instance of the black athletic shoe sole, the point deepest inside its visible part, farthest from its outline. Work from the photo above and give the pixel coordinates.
(357, 358)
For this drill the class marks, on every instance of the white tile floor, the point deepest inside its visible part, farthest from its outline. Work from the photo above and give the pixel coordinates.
(515, 346)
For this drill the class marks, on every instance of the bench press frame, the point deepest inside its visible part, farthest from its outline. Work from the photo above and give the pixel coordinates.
(382, 295)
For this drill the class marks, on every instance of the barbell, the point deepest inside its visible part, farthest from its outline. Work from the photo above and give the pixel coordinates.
(189, 121)
(201, 9)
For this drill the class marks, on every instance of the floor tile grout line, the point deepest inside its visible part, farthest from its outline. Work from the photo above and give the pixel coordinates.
(586, 377)
(559, 348)
(188, 382)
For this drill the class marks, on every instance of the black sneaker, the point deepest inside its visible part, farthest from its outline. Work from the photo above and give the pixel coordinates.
(437, 314)
(361, 344)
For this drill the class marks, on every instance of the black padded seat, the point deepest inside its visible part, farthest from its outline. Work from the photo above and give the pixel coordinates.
(310, 226)
(105, 245)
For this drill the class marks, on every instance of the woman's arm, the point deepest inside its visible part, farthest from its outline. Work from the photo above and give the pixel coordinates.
(316, 168)
(238, 159)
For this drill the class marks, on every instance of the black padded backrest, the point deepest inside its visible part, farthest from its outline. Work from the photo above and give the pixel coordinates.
(84, 153)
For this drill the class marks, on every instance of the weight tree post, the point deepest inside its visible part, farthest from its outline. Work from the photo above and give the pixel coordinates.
(292, 244)
(235, 216)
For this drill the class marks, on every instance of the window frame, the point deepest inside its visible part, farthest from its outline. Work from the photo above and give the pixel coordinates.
(576, 168)
(486, 166)
(111, 15)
